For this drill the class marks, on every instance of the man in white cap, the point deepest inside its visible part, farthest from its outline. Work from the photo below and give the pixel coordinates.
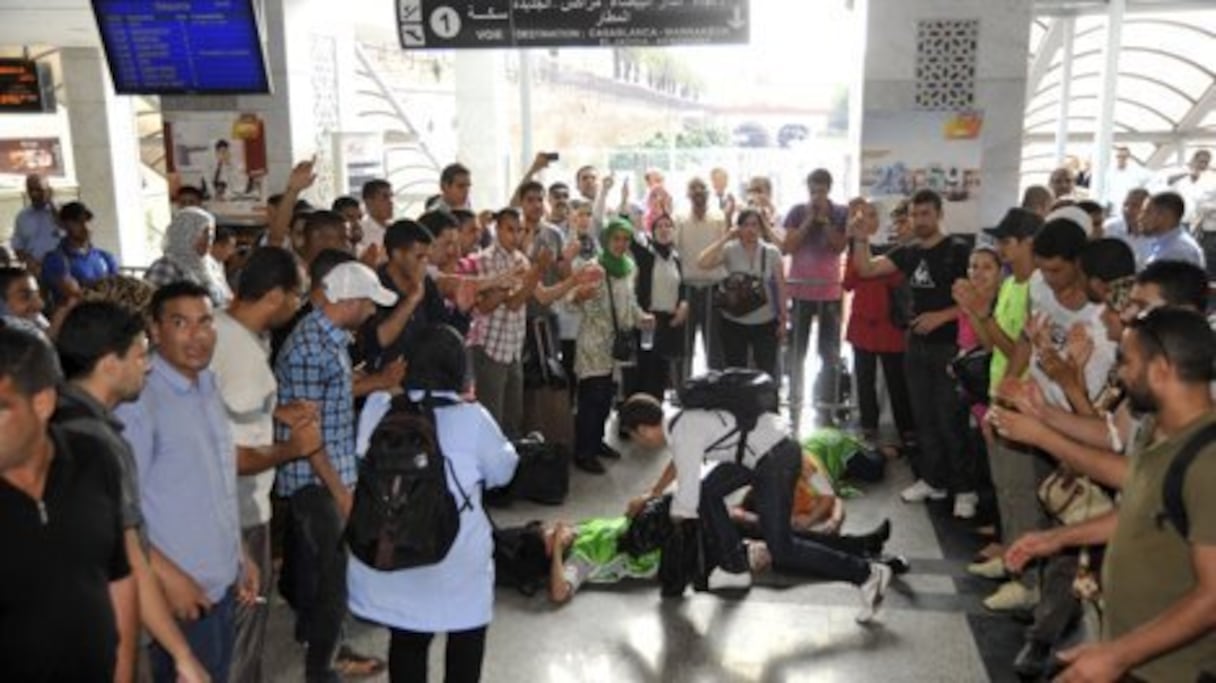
(314, 366)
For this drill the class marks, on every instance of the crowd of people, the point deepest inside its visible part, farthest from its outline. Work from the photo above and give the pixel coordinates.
(1062, 364)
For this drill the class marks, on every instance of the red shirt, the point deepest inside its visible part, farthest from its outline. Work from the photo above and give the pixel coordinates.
(870, 327)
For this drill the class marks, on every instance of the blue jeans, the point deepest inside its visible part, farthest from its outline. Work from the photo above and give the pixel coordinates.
(773, 483)
(211, 639)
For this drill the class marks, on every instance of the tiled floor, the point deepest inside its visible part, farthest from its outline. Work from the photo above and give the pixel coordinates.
(932, 628)
(784, 629)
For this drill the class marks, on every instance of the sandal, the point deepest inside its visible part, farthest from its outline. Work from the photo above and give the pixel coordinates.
(351, 664)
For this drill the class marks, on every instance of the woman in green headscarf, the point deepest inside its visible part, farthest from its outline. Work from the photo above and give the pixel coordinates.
(610, 310)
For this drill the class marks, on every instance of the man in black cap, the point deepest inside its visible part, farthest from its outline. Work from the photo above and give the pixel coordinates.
(76, 262)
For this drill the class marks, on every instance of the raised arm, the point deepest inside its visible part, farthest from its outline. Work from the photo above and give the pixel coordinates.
(301, 178)
(711, 257)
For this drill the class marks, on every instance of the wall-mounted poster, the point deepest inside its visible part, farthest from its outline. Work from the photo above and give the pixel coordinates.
(31, 155)
(359, 157)
(224, 156)
(906, 151)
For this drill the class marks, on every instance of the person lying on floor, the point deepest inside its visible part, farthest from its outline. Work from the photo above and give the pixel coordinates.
(608, 550)
(768, 459)
(818, 515)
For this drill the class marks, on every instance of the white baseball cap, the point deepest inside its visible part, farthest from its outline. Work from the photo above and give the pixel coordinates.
(1071, 213)
(353, 280)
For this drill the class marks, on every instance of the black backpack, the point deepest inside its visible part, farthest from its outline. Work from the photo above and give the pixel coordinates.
(403, 514)
(745, 394)
(1173, 506)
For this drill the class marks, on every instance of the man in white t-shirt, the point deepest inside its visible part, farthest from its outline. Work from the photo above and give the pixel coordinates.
(1064, 323)
(268, 296)
(378, 207)
(1124, 176)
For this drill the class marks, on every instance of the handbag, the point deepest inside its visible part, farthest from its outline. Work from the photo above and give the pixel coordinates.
(624, 344)
(742, 293)
(971, 371)
(1071, 498)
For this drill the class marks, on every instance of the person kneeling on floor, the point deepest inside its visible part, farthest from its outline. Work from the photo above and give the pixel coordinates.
(769, 460)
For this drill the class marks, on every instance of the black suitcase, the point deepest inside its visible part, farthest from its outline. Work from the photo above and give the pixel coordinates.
(542, 475)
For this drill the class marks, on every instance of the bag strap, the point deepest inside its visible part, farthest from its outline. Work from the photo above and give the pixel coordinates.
(1174, 507)
(740, 450)
(616, 329)
(428, 405)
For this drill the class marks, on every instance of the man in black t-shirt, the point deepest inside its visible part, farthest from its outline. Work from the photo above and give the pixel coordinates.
(68, 609)
(931, 264)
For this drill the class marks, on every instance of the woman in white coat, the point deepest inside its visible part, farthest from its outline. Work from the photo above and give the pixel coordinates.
(456, 595)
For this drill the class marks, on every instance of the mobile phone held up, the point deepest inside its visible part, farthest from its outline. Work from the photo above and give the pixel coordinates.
(552, 156)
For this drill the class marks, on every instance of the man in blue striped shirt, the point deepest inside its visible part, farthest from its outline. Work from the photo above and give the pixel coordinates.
(314, 365)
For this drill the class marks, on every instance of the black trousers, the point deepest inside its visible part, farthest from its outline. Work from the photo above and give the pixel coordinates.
(773, 482)
(702, 315)
(317, 537)
(760, 340)
(941, 428)
(595, 397)
(407, 656)
(865, 369)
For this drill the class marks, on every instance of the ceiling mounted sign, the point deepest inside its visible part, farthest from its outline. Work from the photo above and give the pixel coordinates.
(440, 24)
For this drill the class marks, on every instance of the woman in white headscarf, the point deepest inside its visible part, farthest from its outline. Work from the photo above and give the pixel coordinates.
(187, 243)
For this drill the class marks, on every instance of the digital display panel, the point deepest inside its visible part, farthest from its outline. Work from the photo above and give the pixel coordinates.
(182, 46)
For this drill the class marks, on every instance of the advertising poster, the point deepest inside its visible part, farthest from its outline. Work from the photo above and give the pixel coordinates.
(224, 156)
(24, 156)
(906, 151)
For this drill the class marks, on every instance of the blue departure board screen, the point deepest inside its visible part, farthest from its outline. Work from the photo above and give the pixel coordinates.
(182, 46)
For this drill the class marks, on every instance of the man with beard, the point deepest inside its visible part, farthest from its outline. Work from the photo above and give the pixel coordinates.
(1159, 574)
(932, 264)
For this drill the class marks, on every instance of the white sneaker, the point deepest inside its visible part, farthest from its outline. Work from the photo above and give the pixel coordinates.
(922, 491)
(1011, 596)
(720, 579)
(989, 569)
(965, 504)
(872, 592)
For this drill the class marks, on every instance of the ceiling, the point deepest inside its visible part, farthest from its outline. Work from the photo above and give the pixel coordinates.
(62, 23)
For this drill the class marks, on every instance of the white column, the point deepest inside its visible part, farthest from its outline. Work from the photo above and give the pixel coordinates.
(1068, 27)
(481, 125)
(105, 146)
(525, 108)
(1104, 136)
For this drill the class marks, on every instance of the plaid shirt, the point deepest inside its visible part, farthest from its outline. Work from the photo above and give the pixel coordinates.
(163, 271)
(314, 365)
(500, 332)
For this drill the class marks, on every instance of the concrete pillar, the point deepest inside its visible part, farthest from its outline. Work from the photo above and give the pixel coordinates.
(1069, 27)
(1105, 133)
(481, 125)
(105, 147)
(1000, 79)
